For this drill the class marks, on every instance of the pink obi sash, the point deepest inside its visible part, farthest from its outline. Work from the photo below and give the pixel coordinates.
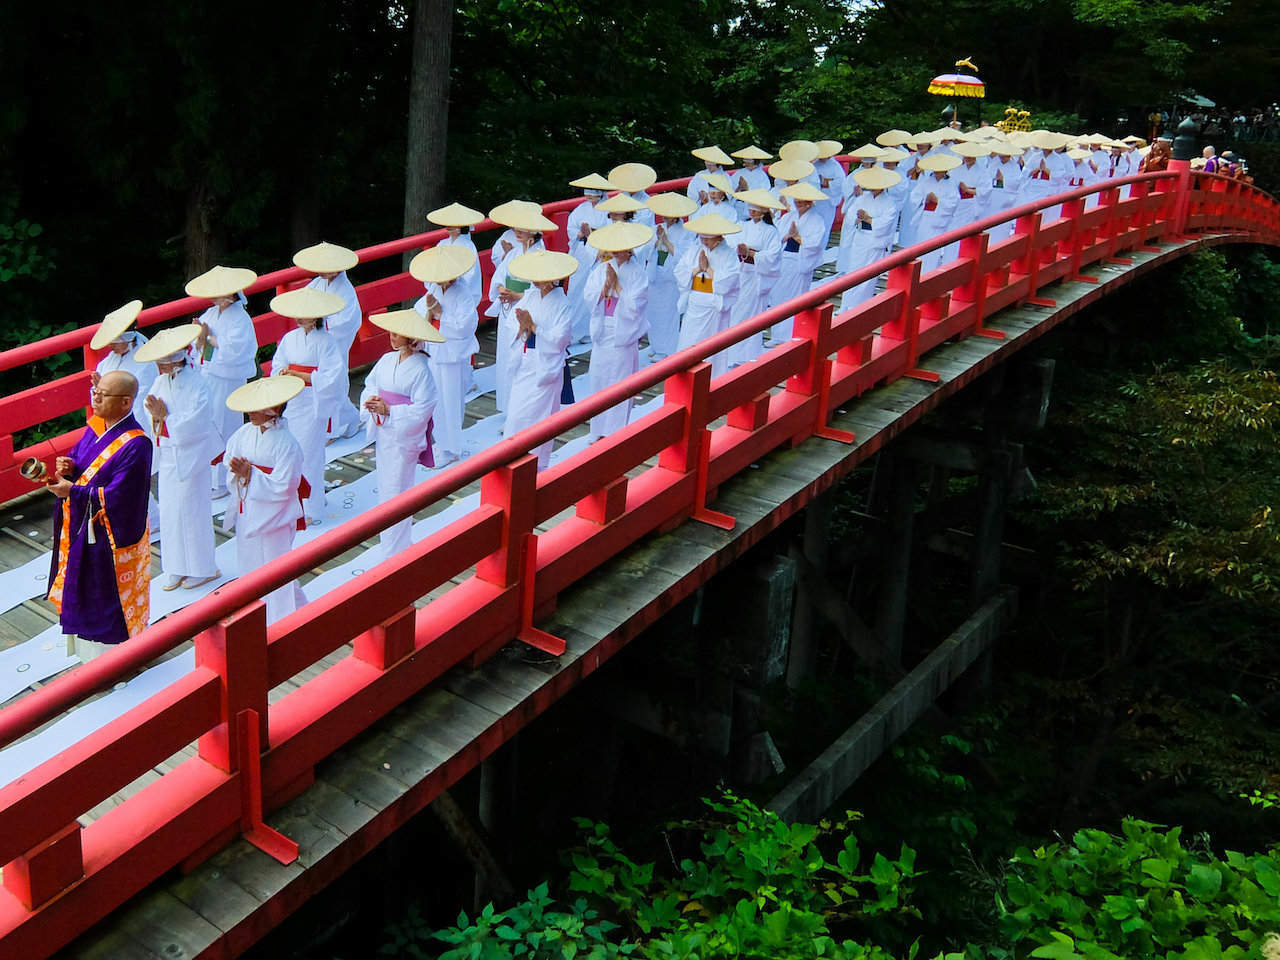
(398, 400)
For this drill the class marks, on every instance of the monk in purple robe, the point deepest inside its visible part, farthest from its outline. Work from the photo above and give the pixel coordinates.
(100, 578)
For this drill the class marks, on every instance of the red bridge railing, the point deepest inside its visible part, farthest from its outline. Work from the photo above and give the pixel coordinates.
(60, 877)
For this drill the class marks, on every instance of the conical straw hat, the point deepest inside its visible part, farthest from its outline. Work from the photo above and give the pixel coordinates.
(805, 150)
(712, 225)
(264, 394)
(620, 203)
(713, 154)
(894, 138)
(115, 323)
(791, 170)
(760, 198)
(828, 148)
(718, 181)
(671, 205)
(407, 323)
(442, 264)
(633, 177)
(876, 178)
(592, 181)
(868, 151)
(543, 266)
(804, 190)
(307, 303)
(326, 258)
(620, 236)
(973, 148)
(940, 161)
(521, 215)
(220, 282)
(168, 342)
(752, 152)
(455, 215)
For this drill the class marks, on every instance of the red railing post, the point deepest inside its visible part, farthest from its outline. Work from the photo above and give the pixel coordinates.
(975, 291)
(235, 648)
(905, 327)
(46, 869)
(692, 452)
(513, 488)
(389, 642)
(1028, 265)
(814, 325)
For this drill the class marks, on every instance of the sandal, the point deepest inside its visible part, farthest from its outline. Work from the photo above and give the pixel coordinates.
(192, 584)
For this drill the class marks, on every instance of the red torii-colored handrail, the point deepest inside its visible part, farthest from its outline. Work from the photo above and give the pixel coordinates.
(239, 657)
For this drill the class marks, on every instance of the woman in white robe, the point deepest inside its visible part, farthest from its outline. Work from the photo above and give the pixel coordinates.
(717, 193)
(228, 330)
(618, 290)
(458, 220)
(545, 319)
(635, 179)
(311, 355)
(447, 303)
(707, 276)
(759, 255)
(584, 218)
(831, 180)
(801, 229)
(934, 197)
(751, 175)
(717, 162)
(867, 233)
(1007, 178)
(330, 263)
(909, 220)
(525, 224)
(187, 440)
(264, 464)
(670, 243)
(397, 402)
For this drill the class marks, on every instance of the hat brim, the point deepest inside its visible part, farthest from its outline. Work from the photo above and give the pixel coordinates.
(115, 323)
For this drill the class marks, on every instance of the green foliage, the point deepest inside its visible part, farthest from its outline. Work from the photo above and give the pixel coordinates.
(1137, 895)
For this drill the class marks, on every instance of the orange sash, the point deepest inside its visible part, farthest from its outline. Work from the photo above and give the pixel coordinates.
(132, 563)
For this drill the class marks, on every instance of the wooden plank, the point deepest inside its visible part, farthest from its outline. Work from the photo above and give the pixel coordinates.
(159, 926)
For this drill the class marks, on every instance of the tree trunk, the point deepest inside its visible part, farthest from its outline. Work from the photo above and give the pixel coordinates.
(200, 240)
(428, 112)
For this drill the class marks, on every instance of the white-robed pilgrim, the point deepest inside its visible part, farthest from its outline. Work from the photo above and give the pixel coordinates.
(618, 294)
(759, 249)
(526, 218)
(115, 330)
(935, 201)
(867, 232)
(801, 252)
(442, 269)
(542, 341)
(187, 440)
(265, 510)
(235, 345)
(402, 380)
(1007, 179)
(331, 262)
(671, 242)
(316, 353)
(708, 292)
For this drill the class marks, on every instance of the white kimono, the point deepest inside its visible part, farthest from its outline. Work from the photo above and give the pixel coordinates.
(186, 442)
(664, 294)
(699, 184)
(343, 327)
(978, 179)
(743, 179)
(862, 244)
(400, 436)
(308, 414)
(1007, 179)
(507, 358)
(450, 363)
(585, 212)
(539, 368)
(755, 280)
(795, 274)
(831, 178)
(617, 324)
(144, 373)
(471, 279)
(644, 214)
(1041, 184)
(935, 222)
(727, 208)
(264, 510)
(232, 364)
(707, 312)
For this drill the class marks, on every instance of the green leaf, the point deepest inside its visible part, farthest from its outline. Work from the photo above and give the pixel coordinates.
(1157, 869)
(1204, 881)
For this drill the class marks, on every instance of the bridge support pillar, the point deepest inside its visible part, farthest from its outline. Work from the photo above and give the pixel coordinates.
(900, 474)
(803, 655)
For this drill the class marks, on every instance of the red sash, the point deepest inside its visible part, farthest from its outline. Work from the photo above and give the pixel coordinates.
(304, 491)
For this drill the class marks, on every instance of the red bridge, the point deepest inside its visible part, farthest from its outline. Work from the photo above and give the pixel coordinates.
(534, 540)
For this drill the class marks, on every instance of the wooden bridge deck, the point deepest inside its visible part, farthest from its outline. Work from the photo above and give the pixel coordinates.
(375, 784)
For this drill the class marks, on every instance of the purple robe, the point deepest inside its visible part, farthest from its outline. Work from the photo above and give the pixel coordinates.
(90, 598)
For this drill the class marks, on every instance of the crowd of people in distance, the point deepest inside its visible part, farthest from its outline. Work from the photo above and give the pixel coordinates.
(669, 269)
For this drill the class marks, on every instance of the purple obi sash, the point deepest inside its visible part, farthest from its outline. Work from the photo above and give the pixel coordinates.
(398, 400)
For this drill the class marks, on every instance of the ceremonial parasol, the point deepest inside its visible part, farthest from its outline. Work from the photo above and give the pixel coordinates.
(959, 84)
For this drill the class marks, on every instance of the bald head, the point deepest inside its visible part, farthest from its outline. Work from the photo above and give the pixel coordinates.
(119, 383)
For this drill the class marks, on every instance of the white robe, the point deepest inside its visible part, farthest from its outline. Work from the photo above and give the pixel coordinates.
(1007, 179)
(264, 510)
(934, 223)
(450, 362)
(707, 312)
(471, 279)
(978, 179)
(585, 212)
(343, 326)
(187, 441)
(308, 414)
(727, 208)
(755, 280)
(232, 363)
(144, 373)
(861, 246)
(664, 294)
(795, 273)
(699, 184)
(400, 436)
(615, 339)
(508, 330)
(743, 179)
(831, 179)
(539, 370)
